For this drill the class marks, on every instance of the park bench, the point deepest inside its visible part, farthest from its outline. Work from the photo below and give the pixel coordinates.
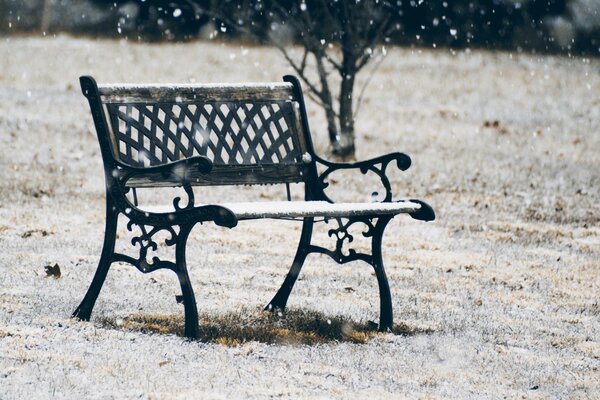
(154, 136)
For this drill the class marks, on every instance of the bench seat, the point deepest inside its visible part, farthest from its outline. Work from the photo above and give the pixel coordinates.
(301, 209)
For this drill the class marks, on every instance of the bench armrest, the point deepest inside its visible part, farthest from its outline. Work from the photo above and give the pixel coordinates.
(402, 161)
(377, 165)
(220, 215)
(178, 172)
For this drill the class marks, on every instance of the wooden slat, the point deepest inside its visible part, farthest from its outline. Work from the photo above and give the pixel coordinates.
(227, 175)
(177, 93)
(302, 209)
(298, 129)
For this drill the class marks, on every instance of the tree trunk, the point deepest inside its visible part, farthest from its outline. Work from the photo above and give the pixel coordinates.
(327, 101)
(344, 145)
(45, 23)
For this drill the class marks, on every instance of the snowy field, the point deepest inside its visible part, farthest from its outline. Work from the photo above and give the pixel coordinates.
(498, 298)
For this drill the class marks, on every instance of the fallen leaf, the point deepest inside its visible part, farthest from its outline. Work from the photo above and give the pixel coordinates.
(31, 232)
(53, 270)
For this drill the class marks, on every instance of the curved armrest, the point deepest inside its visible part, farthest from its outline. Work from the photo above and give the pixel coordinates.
(425, 213)
(402, 161)
(377, 165)
(190, 215)
(177, 171)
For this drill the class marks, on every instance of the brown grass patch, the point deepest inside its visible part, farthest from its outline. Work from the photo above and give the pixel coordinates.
(294, 327)
(4, 334)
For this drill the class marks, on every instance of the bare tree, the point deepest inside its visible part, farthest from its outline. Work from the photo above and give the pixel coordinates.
(341, 37)
(338, 39)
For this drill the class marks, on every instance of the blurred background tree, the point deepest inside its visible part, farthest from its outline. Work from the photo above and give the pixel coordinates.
(338, 39)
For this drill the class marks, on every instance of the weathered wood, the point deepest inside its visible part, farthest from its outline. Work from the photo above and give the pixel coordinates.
(225, 175)
(301, 136)
(177, 93)
(304, 209)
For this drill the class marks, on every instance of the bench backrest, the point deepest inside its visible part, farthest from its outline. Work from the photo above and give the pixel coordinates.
(253, 133)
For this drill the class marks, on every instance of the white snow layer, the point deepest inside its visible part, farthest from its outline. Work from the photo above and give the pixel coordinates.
(297, 209)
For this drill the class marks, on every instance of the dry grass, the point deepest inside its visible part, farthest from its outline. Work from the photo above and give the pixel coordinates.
(498, 298)
(294, 327)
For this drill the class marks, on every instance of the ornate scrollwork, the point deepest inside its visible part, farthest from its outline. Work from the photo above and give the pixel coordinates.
(342, 252)
(376, 165)
(190, 194)
(146, 243)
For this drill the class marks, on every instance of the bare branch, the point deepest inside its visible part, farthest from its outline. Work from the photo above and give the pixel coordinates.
(364, 86)
(299, 68)
(304, 59)
(320, 103)
(382, 31)
(318, 96)
(335, 64)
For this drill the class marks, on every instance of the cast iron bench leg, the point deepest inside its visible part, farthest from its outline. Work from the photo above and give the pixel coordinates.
(281, 297)
(189, 300)
(84, 310)
(386, 317)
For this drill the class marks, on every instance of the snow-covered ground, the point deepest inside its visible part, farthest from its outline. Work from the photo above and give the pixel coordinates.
(499, 297)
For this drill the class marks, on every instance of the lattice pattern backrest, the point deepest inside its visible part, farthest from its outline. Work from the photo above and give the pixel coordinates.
(229, 133)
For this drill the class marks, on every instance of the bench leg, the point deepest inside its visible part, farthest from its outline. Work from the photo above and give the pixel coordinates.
(386, 316)
(189, 300)
(84, 310)
(280, 299)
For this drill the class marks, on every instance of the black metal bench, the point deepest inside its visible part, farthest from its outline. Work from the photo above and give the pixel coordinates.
(198, 135)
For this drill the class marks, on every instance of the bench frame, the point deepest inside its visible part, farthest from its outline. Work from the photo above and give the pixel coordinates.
(122, 178)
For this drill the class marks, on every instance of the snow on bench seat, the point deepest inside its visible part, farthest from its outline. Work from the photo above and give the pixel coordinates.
(298, 209)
